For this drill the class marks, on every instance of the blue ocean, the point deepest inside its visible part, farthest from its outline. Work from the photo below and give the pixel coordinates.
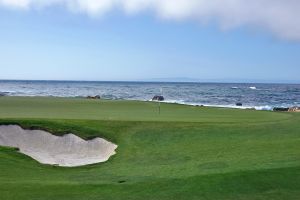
(255, 95)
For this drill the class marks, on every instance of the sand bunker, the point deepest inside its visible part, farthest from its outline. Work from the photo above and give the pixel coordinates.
(68, 150)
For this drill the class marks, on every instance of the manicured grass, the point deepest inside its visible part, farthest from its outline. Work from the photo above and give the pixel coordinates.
(184, 153)
(70, 108)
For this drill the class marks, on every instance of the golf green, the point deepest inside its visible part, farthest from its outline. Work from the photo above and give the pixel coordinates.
(185, 152)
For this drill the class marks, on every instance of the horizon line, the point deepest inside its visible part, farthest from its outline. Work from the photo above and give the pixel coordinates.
(159, 81)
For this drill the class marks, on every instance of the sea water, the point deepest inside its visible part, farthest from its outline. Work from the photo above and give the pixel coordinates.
(255, 95)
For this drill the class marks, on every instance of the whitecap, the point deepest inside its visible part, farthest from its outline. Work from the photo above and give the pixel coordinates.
(263, 108)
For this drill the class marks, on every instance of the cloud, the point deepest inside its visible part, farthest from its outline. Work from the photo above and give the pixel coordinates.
(281, 17)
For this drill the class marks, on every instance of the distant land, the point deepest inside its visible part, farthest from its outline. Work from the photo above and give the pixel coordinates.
(229, 80)
(176, 79)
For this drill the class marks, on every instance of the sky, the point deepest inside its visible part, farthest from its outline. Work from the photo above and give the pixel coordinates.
(136, 40)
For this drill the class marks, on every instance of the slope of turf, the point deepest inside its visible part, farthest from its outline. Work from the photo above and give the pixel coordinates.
(184, 153)
(70, 108)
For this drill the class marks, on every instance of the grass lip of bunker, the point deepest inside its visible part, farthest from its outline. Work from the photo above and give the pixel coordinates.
(67, 151)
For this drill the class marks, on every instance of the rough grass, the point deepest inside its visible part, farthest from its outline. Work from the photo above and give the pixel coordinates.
(184, 153)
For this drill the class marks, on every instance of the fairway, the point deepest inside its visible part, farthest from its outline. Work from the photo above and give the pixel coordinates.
(185, 152)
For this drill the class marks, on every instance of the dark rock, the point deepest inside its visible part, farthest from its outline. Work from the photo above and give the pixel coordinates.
(158, 98)
(2, 94)
(239, 104)
(280, 109)
(93, 97)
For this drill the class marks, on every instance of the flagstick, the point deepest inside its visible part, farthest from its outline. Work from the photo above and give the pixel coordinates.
(159, 107)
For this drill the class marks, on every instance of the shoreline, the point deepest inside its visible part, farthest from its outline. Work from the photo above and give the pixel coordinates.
(225, 95)
(179, 102)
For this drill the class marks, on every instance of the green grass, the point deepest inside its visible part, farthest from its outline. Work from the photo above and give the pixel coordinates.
(185, 152)
(70, 108)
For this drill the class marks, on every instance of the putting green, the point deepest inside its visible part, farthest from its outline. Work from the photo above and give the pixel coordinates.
(78, 108)
(186, 152)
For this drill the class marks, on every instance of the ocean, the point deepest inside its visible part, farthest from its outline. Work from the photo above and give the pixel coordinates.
(255, 95)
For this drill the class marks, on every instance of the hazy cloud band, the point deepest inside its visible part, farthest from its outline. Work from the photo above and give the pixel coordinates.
(281, 17)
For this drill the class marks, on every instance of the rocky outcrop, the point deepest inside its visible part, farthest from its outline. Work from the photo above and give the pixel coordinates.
(94, 97)
(2, 94)
(291, 109)
(294, 109)
(280, 109)
(158, 98)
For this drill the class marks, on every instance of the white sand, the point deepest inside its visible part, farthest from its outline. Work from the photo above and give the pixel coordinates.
(68, 150)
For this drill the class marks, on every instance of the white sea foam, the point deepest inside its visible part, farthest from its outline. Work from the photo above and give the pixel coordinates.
(176, 101)
(263, 108)
(181, 102)
(11, 92)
